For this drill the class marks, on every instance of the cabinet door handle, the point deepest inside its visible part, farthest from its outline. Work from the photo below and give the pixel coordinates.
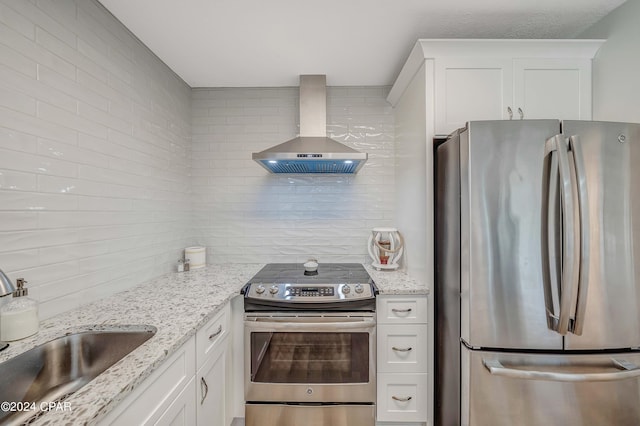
(397, 311)
(402, 398)
(402, 349)
(521, 113)
(218, 331)
(204, 388)
(510, 112)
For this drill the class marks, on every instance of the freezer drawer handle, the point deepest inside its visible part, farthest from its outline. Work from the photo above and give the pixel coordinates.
(402, 349)
(399, 311)
(628, 370)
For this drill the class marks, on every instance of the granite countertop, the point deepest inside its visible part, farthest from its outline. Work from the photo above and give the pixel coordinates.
(177, 304)
(396, 282)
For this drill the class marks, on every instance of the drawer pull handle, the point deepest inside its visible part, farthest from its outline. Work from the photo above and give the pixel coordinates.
(402, 399)
(398, 311)
(204, 388)
(214, 335)
(402, 349)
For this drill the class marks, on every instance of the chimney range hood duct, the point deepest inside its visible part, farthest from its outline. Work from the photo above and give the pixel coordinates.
(312, 151)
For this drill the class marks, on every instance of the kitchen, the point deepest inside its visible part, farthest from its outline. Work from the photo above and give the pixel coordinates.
(111, 164)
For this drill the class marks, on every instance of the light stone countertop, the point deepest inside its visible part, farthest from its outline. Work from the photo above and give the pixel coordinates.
(396, 282)
(177, 304)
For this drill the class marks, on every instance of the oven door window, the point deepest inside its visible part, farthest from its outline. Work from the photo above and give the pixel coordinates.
(309, 357)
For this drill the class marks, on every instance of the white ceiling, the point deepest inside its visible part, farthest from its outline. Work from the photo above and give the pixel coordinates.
(244, 43)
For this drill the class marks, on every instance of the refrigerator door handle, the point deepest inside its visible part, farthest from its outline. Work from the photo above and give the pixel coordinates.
(559, 321)
(583, 208)
(550, 279)
(626, 369)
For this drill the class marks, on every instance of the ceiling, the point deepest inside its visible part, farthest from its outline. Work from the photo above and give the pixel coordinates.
(260, 43)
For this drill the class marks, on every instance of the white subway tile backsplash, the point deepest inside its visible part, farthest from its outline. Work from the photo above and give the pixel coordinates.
(17, 181)
(17, 101)
(286, 218)
(36, 52)
(70, 120)
(18, 220)
(43, 19)
(17, 141)
(35, 89)
(12, 59)
(34, 201)
(27, 162)
(70, 88)
(17, 22)
(86, 199)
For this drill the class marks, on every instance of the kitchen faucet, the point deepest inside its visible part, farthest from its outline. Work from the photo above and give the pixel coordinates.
(6, 288)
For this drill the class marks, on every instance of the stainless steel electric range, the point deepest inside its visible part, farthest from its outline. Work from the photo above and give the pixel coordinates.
(310, 346)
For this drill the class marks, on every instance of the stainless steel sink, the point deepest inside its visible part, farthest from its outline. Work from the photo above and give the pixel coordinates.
(55, 369)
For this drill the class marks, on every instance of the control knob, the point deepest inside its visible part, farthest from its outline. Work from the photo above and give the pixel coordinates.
(346, 289)
(273, 289)
(359, 289)
(260, 289)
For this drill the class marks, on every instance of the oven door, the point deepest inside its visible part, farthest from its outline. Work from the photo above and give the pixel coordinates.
(310, 358)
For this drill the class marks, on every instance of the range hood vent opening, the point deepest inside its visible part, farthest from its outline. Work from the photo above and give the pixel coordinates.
(312, 151)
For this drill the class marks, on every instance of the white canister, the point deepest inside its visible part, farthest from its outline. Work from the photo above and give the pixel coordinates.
(197, 257)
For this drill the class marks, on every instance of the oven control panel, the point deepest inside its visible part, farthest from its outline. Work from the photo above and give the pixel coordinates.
(309, 293)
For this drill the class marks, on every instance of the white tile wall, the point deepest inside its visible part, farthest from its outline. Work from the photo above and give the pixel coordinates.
(94, 154)
(244, 214)
(110, 164)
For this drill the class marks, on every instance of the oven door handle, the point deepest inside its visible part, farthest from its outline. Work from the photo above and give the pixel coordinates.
(296, 324)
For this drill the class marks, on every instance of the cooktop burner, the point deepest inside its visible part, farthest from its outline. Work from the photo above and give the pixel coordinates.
(288, 286)
(327, 273)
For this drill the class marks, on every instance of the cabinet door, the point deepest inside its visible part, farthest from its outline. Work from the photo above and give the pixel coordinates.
(552, 88)
(211, 384)
(182, 411)
(153, 398)
(471, 89)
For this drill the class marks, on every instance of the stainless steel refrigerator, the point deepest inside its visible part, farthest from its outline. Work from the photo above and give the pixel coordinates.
(537, 242)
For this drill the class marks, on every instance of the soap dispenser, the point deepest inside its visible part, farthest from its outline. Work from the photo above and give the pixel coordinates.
(19, 317)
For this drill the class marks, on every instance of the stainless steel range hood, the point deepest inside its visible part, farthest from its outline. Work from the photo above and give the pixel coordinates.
(312, 151)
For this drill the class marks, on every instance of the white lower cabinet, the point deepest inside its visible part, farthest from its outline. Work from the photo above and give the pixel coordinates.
(403, 360)
(189, 388)
(211, 392)
(151, 402)
(213, 372)
(402, 397)
(181, 412)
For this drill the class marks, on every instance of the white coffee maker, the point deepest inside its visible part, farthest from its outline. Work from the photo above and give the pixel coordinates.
(385, 248)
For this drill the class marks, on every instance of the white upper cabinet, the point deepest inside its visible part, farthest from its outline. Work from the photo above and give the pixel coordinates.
(471, 89)
(553, 88)
(501, 79)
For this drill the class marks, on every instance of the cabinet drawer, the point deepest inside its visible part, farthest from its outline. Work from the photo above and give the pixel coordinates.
(402, 309)
(402, 397)
(402, 348)
(213, 332)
